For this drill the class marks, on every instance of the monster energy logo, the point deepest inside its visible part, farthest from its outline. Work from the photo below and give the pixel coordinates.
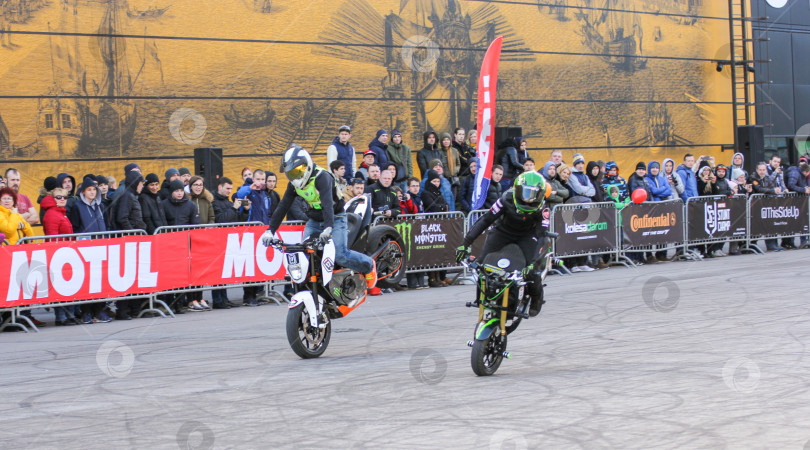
(336, 291)
(404, 229)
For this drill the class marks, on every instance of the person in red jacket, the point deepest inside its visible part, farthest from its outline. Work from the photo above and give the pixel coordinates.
(55, 220)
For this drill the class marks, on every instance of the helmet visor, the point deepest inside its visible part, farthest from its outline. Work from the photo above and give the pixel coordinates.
(530, 194)
(297, 172)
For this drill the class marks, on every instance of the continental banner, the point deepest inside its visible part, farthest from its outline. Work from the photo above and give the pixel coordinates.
(717, 218)
(652, 224)
(590, 228)
(430, 241)
(778, 215)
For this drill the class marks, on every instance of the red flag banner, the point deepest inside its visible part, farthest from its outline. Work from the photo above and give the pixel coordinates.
(487, 87)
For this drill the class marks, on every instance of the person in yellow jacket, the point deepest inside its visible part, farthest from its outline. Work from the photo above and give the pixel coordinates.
(12, 223)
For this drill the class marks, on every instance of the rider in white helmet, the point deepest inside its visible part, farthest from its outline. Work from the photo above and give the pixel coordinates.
(325, 210)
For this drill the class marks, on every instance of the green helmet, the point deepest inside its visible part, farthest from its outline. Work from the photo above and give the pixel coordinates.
(530, 192)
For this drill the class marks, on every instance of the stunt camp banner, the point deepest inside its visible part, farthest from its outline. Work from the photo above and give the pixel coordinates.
(584, 228)
(487, 87)
(717, 218)
(103, 268)
(779, 215)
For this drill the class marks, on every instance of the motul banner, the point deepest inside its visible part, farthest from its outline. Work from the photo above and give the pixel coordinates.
(652, 223)
(487, 87)
(103, 268)
(717, 218)
(237, 255)
(779, 215)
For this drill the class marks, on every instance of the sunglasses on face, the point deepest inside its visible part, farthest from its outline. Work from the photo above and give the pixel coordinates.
(59, 197)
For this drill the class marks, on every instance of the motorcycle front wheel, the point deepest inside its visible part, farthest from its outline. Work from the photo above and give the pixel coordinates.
(487, 354)
(305, 340)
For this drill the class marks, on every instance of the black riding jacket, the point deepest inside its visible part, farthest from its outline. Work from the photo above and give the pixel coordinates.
(506, 217)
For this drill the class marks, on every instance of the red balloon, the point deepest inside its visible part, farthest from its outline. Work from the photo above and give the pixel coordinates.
(639, 196)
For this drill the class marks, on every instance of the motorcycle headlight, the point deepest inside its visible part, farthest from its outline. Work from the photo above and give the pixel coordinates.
(295, 271)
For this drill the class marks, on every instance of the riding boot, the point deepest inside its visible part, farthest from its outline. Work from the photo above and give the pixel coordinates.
(535, 288)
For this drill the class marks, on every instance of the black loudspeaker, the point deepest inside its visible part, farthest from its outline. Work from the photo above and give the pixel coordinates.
(751, 143)
(502, 133)
(208, 164)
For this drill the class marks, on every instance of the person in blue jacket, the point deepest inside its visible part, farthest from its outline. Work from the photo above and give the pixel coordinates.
(380, 146)
(445, 188)
(659, 186)
(688, 177)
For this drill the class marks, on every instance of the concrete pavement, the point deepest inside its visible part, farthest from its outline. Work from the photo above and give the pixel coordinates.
(707, 354)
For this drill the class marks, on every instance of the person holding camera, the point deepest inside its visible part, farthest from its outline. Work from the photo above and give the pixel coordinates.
(675, 183)
(383, 200)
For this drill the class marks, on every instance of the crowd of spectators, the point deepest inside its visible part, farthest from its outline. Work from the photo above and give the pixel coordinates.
(442, 180)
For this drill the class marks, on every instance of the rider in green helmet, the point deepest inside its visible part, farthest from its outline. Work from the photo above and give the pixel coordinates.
(518, 218)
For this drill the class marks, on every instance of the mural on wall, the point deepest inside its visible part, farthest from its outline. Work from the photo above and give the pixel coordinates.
(619, 79)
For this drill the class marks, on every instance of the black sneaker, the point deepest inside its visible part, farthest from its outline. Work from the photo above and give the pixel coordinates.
(122, 316)
(222, 306)
(232, 304)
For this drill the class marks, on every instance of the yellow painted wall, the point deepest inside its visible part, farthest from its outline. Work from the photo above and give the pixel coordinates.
(240, 56)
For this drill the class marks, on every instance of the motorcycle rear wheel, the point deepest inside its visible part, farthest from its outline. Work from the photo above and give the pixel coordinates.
(487, 354)
(391, 262)
(305, 340)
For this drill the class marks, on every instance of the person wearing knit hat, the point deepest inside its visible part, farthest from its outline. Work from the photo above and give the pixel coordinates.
(131, 166)
(638, 180)
(86, 215)
(368, 160)
(153, 214)
(582, 190)
(380, 146)
(185, 175)
(170, 175)
(431, 194)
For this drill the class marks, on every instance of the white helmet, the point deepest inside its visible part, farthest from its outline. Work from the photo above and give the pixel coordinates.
(297, 165)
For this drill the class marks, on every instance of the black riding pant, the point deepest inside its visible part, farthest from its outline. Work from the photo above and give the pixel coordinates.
(528, 243)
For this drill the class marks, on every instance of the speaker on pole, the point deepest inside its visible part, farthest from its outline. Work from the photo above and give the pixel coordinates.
(208, 164)
(751, 143)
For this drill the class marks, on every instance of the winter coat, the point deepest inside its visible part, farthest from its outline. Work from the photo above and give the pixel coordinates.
(204, 206)
(512, 167)
(721, 186)
(55, 220)
(465, 154)
(224, 212)
(658, 185)
(125, 211)
(704, 187)
(384, 199)
(87, 217)
(741, 166)
(796, 181)
(400, 154)
(380, 149)
(561, 195)
(260, 207)
(412, 206)
(10, 226)
(494, 192)
(580, 184)
(298, 210)
(764, 185)
(164, 192)
(151, 211)
(779, 177)
(432, 199)
(619, 182)
(637, 182)
(679, 187)
(467, 189)
(690, 188)
(180, 212)
(427, 154)
(342, 152)
(446, 190)
(507, 218)
(596, 182)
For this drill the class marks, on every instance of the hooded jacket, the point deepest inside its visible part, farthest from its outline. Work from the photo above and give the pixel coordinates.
(451, 157)
(465, 154)
(721, 186)
(180, 212)
(678, 187)
(429, 153)
(152, 212)
(795, 180)
(445, 189)
(614, 180)
(596, 181)
(431, 196)
(509, 158)
(61, 178)
(342, 152)
(467, 189)
(380, 149)
(400, 154)
(580, 184)
(658, 185)
(413, 205)
(87, 216)
(125, 210)
(690, 188)
(561, 193)
(55, 220)
(204, 206)
(741, 166)
(10, 225)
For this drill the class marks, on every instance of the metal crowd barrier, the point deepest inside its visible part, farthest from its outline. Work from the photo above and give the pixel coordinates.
(616, 257)
(682, 246)
(693, 254)
(752, 237)
(15, 316)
